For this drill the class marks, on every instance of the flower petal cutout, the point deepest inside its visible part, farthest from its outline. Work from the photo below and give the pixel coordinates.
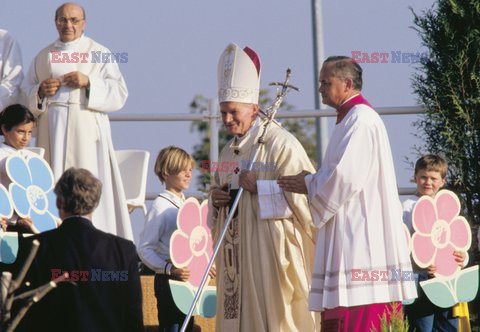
(445, 263)
(17, 171)
(20, 200)
(447, 204)
(461, 234)
(180, 252)
(189, 216)
(423, 250)
(42, 175)
(6, 206)
(424, 215)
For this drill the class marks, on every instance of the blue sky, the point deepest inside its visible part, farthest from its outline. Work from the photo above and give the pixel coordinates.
(173, 49)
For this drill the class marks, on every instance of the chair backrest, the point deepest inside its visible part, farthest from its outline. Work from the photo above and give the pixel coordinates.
(38, 150)
(133, 166)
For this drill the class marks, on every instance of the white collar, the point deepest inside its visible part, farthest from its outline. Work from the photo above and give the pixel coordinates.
(68, 46)
(170, 195)
(9, 147)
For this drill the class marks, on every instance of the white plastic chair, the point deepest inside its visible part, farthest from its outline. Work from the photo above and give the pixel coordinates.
(133, 166)
(38, 150)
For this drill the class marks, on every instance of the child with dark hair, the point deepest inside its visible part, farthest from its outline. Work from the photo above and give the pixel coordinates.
(16, 126)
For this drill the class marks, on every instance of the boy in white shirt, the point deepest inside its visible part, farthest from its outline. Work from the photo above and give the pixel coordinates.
(174, 168)
(422, 315)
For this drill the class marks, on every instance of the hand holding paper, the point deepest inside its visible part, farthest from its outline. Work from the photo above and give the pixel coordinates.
(76, 80)
(49, 87)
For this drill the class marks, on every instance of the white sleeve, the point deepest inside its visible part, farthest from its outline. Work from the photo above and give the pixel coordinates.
(30, 88)
(336, 183)
(271, 201)
(150, 238)
(11, 74)
(108, 90)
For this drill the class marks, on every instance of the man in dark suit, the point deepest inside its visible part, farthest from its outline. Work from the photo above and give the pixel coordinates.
(105, 293)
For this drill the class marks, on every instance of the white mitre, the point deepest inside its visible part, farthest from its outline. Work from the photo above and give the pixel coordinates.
(238, 75)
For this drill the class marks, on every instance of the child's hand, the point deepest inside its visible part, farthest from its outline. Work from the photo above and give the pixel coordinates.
(431, 270)
(459, 257)
(213, 272)
(4, 224)
(180, 274)
(26, 224)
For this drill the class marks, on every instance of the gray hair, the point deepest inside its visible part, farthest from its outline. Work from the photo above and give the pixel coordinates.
(346, 67)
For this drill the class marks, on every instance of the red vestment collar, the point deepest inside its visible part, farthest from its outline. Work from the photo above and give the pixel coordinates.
(348, 105)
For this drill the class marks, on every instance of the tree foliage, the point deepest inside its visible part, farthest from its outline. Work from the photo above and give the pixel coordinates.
(302, 129)
(448, 86)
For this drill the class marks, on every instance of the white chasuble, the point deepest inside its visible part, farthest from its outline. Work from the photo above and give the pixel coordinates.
(264, 265)
(74, 129)
(355, 205)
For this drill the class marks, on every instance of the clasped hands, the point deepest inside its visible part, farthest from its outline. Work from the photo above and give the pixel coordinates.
(220, 196)
(247, 180)
(74, 79)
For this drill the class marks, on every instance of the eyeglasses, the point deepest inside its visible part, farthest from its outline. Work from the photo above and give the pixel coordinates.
(64, 20)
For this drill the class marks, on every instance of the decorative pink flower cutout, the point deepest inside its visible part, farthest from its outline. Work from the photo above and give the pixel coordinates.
(439, 231)
(191, 244)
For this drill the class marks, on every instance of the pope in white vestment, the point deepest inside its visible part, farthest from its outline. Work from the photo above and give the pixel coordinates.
(265, 261)
(71, 101)
(11, 74)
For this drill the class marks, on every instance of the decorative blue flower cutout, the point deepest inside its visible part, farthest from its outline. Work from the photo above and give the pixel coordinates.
(6, 208)
(32, 191)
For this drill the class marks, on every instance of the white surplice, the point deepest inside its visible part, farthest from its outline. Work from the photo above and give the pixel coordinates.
(74, 129)
(355, 204)
(11, 74)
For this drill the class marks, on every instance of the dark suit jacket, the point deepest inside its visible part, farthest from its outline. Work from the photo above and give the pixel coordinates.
(93, 305)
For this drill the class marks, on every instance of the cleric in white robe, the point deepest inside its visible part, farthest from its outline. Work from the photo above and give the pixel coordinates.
(264, 264)
(71, 93)
(11, 74)
(354, 203)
